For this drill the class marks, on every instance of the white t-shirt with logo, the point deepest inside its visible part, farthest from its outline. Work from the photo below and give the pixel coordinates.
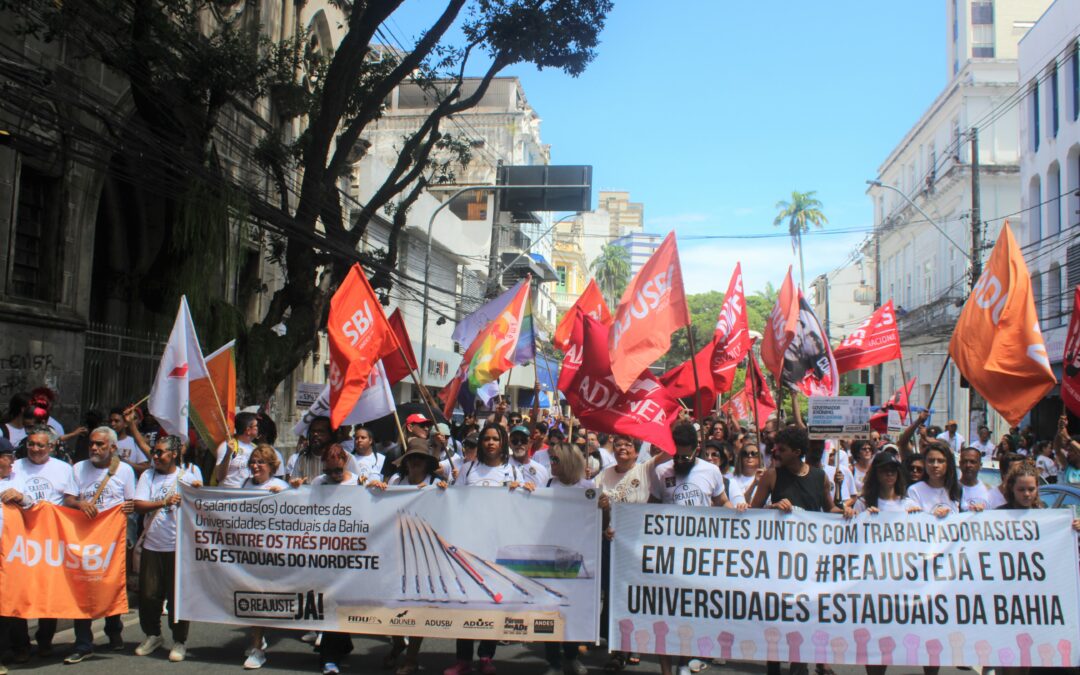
(1047, 467)
(160, 524)
(119, 489)
(481, 475)
(369, 466)
(47, 482)
(884, 505)
(534, 472)
(270, 483)
(979, 494)
(129, 451)
(987, 449)
(697, 488)
(929, 498)
(633, 486)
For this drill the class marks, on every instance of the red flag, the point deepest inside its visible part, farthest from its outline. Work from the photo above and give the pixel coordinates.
(680, 381)
(359, 336)
(997, 344)
(738, 406)
(645, 410)
(809, 365)
(731, 341)
(592, 303)
(780, 327)
(398, 368)
(875, 341)
(1070, 362)
(652, 308)
(879, 421)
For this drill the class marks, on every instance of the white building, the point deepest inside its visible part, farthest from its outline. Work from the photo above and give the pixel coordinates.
(1050, 179)
(923, 266)
(844, 297)
(640, 246)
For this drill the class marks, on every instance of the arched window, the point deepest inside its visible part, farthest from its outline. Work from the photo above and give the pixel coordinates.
(1053, 203)
(1053, 314)
(1034, 210)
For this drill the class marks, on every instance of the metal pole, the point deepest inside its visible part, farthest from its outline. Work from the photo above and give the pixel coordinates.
(427, 254)
(976, 403)
(924, 214)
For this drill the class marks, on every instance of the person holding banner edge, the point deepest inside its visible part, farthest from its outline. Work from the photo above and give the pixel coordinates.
(491, 468)
(104, 482)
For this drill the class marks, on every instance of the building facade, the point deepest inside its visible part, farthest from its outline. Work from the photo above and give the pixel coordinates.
(1050, 179)
(639, 246)
(923, 263)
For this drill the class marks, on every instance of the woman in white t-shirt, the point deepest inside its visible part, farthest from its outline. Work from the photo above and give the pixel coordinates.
(884, 488)
(860, 467)
(940, 492)
(491, 468)
(262, 464)
(747, 474)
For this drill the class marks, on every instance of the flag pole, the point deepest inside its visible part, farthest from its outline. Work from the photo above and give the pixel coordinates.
(136, 404)
(697, 384)
(933, 392)
(753, 393)
(910, 394)
(401, 432)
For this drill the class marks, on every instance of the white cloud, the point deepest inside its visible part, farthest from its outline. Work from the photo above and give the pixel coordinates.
(707, 265)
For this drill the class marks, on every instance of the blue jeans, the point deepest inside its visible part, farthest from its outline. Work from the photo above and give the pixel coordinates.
(84, 635)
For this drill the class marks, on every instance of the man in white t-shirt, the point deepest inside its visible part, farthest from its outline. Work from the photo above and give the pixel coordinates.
(529, 469)
(157, 498)
(119, 490)
(45, 479)
(232, 458)
(977, 495)
(952, 436)
(983, 444)
(128, 448)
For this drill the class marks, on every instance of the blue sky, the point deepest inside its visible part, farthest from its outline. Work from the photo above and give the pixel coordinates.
(709, 112)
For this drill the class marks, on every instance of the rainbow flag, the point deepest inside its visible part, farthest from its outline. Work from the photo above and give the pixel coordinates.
(506, 341)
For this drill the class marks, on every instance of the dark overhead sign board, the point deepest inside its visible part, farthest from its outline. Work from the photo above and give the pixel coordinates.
(546, 198)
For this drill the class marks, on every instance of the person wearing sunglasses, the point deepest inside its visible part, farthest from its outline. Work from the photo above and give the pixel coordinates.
(533, 471)
(748, 472)
(335, 468)
(884, 488)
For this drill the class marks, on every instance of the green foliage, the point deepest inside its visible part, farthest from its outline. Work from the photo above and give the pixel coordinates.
(800, 213)
(611, 269)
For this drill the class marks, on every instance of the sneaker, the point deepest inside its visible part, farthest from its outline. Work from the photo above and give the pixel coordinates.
(486, 666)
(330, 668)
(575, 667)
(309, 637)
(256, 659)
(263, 646)
(149, 645)
(77, 656)
(459, 668)
(178, 652)
(116, 643)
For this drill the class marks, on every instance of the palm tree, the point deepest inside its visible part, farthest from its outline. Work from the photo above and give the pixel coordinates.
(801, 212)
(611, 269)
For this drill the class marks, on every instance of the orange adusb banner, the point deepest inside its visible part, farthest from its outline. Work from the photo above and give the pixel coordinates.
(55, 562)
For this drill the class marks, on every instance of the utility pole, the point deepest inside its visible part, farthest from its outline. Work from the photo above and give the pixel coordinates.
(879, 370)
(976, 403)
(494, 281)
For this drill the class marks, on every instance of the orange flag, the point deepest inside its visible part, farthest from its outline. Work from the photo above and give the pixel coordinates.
(592, 303)
(359, 336)
(652, 308)
(91, 582)
(997, 344)
(780, 327)
(213, 415)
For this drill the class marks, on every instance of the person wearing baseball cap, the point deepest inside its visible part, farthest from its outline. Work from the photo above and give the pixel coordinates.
(533, 471)
(418, 425)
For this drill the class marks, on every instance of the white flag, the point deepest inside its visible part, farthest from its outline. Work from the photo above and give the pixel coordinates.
(376, 401)
(181, 363)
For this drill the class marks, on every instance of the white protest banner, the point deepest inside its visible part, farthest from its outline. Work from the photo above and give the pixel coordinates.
(483, 563)
(838, 416)
(895, 426)
(987, 589)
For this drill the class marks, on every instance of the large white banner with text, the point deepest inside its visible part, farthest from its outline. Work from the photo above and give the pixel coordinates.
(481, 563)
(992, 589)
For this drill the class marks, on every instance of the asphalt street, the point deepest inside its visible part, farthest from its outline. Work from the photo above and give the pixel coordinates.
(220, 648)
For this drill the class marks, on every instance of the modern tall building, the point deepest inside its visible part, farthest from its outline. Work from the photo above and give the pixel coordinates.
(1050, 180)
(923, 264)
(640, 246)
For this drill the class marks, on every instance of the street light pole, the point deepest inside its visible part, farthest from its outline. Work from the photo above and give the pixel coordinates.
(877, 183)
(458, 191)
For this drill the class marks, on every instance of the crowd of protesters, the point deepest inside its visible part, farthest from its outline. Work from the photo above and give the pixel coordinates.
(123, 459)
